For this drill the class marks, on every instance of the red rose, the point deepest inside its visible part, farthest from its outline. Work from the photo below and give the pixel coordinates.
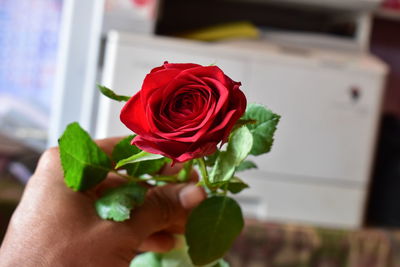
(184, 110)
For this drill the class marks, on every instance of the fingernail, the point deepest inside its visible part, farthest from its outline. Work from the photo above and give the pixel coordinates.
(191, 196)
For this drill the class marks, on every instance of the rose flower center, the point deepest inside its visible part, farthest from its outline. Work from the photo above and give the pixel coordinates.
(185, 104)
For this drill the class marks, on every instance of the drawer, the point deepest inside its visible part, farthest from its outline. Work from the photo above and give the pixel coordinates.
(282, 199)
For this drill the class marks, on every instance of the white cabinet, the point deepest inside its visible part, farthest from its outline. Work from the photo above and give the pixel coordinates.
(325, 130)
(319, 167)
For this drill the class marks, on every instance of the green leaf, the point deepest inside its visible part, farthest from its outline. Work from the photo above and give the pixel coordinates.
(148, 167)
(210, 160)
(118, 202)
(243, 122)
(110, 94)
(212, 227)
(223, 170)
(176, 258)
(239, 146)
(259, 113)
(141, 156)
(262, 131)
(246, 165)
(148, 259)
(180, 258)
(263, 137)
(221, 263)
(124, 149)
(84, 163)
(236, 185)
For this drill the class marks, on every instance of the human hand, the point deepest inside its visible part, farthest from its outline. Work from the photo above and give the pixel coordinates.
(55, 226)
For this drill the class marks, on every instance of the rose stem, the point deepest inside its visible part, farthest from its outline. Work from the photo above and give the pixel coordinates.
(225, 190)
(164, 178)
(204, 174)
(129, 178)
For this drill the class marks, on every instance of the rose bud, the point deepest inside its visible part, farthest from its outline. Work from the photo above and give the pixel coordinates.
(183, 111)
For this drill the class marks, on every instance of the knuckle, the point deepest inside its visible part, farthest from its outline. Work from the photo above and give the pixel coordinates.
(49, 154)
(164, 204)
(125, 254)
(49, 161)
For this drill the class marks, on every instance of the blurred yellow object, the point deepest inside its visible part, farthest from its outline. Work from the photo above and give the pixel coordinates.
(241, 29)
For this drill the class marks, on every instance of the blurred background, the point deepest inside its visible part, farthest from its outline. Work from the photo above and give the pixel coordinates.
(331, 68)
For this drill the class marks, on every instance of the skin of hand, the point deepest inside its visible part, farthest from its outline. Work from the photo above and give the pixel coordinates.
(55, 226)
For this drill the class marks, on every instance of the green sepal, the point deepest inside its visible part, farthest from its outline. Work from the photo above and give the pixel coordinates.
(111, 94)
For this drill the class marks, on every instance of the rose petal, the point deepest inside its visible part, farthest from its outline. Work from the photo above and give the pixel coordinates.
(161, 146)
(154, 81)
(204, 117)
(133, 115)
(184, 110)
(202, 151)
(213, 72)
(181, 66)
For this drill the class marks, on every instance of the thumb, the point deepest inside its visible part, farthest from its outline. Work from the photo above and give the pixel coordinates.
(165, 209)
